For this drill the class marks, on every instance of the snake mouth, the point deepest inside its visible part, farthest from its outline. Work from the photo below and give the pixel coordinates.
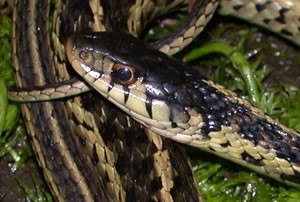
(76, 57)
(69, 49)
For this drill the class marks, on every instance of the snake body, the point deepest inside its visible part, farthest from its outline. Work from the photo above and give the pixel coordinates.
(88, 150)
(281, 17)
(186, 107)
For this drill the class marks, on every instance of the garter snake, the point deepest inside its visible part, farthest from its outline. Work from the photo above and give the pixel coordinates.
(74, 120)
(89, 150)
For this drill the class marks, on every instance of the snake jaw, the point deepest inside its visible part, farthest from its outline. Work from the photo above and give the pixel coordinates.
(70, 49)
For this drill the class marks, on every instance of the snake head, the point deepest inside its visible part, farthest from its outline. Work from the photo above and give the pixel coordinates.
(140, 80)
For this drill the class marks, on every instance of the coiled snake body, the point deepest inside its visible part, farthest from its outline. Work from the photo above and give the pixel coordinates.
(183, 106)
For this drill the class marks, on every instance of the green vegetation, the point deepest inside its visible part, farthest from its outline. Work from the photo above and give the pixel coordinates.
(11, 129)
(35, 195)
(9, 112)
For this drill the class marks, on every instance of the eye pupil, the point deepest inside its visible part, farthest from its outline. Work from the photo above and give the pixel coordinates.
(124, 74)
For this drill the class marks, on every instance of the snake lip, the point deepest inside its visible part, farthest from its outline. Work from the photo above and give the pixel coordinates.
(69, 49)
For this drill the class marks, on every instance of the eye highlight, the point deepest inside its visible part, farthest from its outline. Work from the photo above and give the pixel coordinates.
(123, 74)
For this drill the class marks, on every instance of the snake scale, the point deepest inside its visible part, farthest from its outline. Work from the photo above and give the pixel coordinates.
(94, 151)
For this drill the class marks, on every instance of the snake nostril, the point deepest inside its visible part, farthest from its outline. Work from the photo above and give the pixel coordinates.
(83, 55)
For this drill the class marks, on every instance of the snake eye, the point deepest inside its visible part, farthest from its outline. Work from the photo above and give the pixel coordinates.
(123, 74)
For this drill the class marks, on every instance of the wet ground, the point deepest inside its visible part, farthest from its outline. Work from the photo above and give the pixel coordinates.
(29, 174)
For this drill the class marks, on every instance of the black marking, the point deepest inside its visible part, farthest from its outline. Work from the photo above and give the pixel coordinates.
(237, 7)
(110, 86)
(149, 106)
(82, 141)
(267, 21)
(214, 107)
(211, 148)
(293, 178)
(173, 125)
(247, 157)
(126, 93)
(226, 144)
(122, 163)
(94, 156)
(156, 184)
(281, 18)
(262, 6)
(171, 115)
(272, 137)
(285, 32)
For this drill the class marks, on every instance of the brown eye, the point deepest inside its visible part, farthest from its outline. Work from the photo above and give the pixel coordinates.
(123, 74)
